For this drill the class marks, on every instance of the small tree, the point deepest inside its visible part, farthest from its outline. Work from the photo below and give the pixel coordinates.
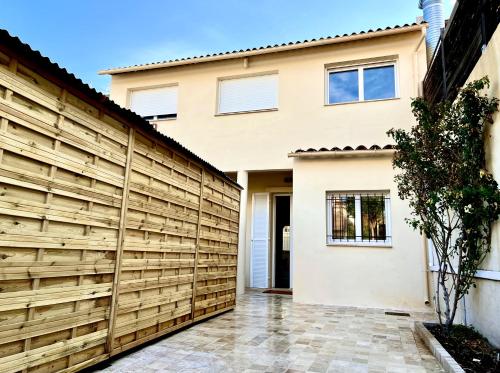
(453, 197)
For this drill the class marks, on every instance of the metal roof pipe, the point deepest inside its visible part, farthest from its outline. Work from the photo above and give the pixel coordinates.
(434, 16)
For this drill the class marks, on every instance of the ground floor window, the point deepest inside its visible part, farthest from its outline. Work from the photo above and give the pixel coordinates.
(358, 218)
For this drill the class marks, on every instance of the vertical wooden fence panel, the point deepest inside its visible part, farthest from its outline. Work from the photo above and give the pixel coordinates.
(217, 258)
(109, 236)
(155, 288)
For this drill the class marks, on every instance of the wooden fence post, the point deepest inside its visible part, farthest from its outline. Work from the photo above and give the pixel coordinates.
(119, 246)
(197, 244)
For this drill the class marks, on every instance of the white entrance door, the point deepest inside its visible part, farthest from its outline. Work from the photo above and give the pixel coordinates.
(259, 262)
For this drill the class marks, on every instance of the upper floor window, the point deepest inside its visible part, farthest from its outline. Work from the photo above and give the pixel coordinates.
(248, 94)
(155, 103)
(358, 218)
(362, 83)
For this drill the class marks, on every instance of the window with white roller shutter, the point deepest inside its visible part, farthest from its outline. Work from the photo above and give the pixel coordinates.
(155, 103)
(252, 93)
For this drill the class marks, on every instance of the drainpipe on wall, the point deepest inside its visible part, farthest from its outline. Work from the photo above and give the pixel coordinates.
(427, 272)
(416, 67)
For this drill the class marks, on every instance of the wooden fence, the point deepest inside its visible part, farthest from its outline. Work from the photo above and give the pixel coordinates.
(109, 236)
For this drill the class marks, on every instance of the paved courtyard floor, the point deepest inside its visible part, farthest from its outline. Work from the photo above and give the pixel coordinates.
(269, 333)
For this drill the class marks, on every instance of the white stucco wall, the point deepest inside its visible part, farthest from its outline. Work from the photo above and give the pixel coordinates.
(262, 140)
(361, 276)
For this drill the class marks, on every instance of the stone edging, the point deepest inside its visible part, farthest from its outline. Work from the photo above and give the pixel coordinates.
(448, 363)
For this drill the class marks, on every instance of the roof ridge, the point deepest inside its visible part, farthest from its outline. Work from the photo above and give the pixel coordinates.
(193, 59)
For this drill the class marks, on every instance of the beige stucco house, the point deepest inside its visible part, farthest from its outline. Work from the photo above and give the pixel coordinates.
(302, 127)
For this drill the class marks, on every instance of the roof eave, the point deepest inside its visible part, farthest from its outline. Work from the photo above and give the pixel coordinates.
(284, 48)
(342, 153)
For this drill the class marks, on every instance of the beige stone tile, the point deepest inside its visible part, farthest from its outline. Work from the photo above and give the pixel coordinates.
(270, 333)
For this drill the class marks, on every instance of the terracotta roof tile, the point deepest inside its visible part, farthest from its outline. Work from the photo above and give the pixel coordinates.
(303, 43)
(346, 149)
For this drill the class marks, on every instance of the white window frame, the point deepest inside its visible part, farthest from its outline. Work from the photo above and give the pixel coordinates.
(361, 85)
(244, 76)
(155, 117)
(357, 201)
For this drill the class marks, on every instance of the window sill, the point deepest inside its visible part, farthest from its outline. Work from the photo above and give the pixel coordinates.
(162, 120)
(363, 102)
(246, 112)
(361, 244)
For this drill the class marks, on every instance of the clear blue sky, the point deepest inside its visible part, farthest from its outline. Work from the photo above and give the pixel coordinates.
(85, 36)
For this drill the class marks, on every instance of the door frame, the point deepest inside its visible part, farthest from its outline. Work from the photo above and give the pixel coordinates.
(272, 260)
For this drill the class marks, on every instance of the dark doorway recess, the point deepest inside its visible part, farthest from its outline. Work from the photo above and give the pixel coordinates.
(282, 242)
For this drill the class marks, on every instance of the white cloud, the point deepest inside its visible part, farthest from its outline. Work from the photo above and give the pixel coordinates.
(159, 52)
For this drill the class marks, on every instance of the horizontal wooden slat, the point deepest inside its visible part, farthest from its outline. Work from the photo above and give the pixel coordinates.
(156, 246)
(167, 179)
(159, 300)
(154, 283)
(30, 272)
(228, 191)
(26, 179)
(221, 214)
(168, 162)
(218, 250)
(28, 329)
(18, 85)
(162, 210)
(10, 238)
(31, 358)
(161, 228)
(215, 275)
(214, 301)
(162, 194)
(218, 225)
(202, 290)
(148, 264)
(146, 321)
(20, 115)
(16, 207)
(232, 206)
(54, 158)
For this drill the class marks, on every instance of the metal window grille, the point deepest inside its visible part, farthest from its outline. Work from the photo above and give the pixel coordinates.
(359, 217)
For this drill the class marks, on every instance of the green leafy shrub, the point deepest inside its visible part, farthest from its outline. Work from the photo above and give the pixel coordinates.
(453, 198)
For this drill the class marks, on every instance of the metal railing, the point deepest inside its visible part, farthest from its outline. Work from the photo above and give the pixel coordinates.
(460, 46)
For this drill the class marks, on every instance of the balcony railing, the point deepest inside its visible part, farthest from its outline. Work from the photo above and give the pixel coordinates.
(467, 33)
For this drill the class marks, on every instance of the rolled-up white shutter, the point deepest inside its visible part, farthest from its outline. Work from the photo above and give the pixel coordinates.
(260, 241)
(248, 94)
(154, 102)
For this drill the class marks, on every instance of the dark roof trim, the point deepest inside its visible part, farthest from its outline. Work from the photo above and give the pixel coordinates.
(45, 67)
(242, 53)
